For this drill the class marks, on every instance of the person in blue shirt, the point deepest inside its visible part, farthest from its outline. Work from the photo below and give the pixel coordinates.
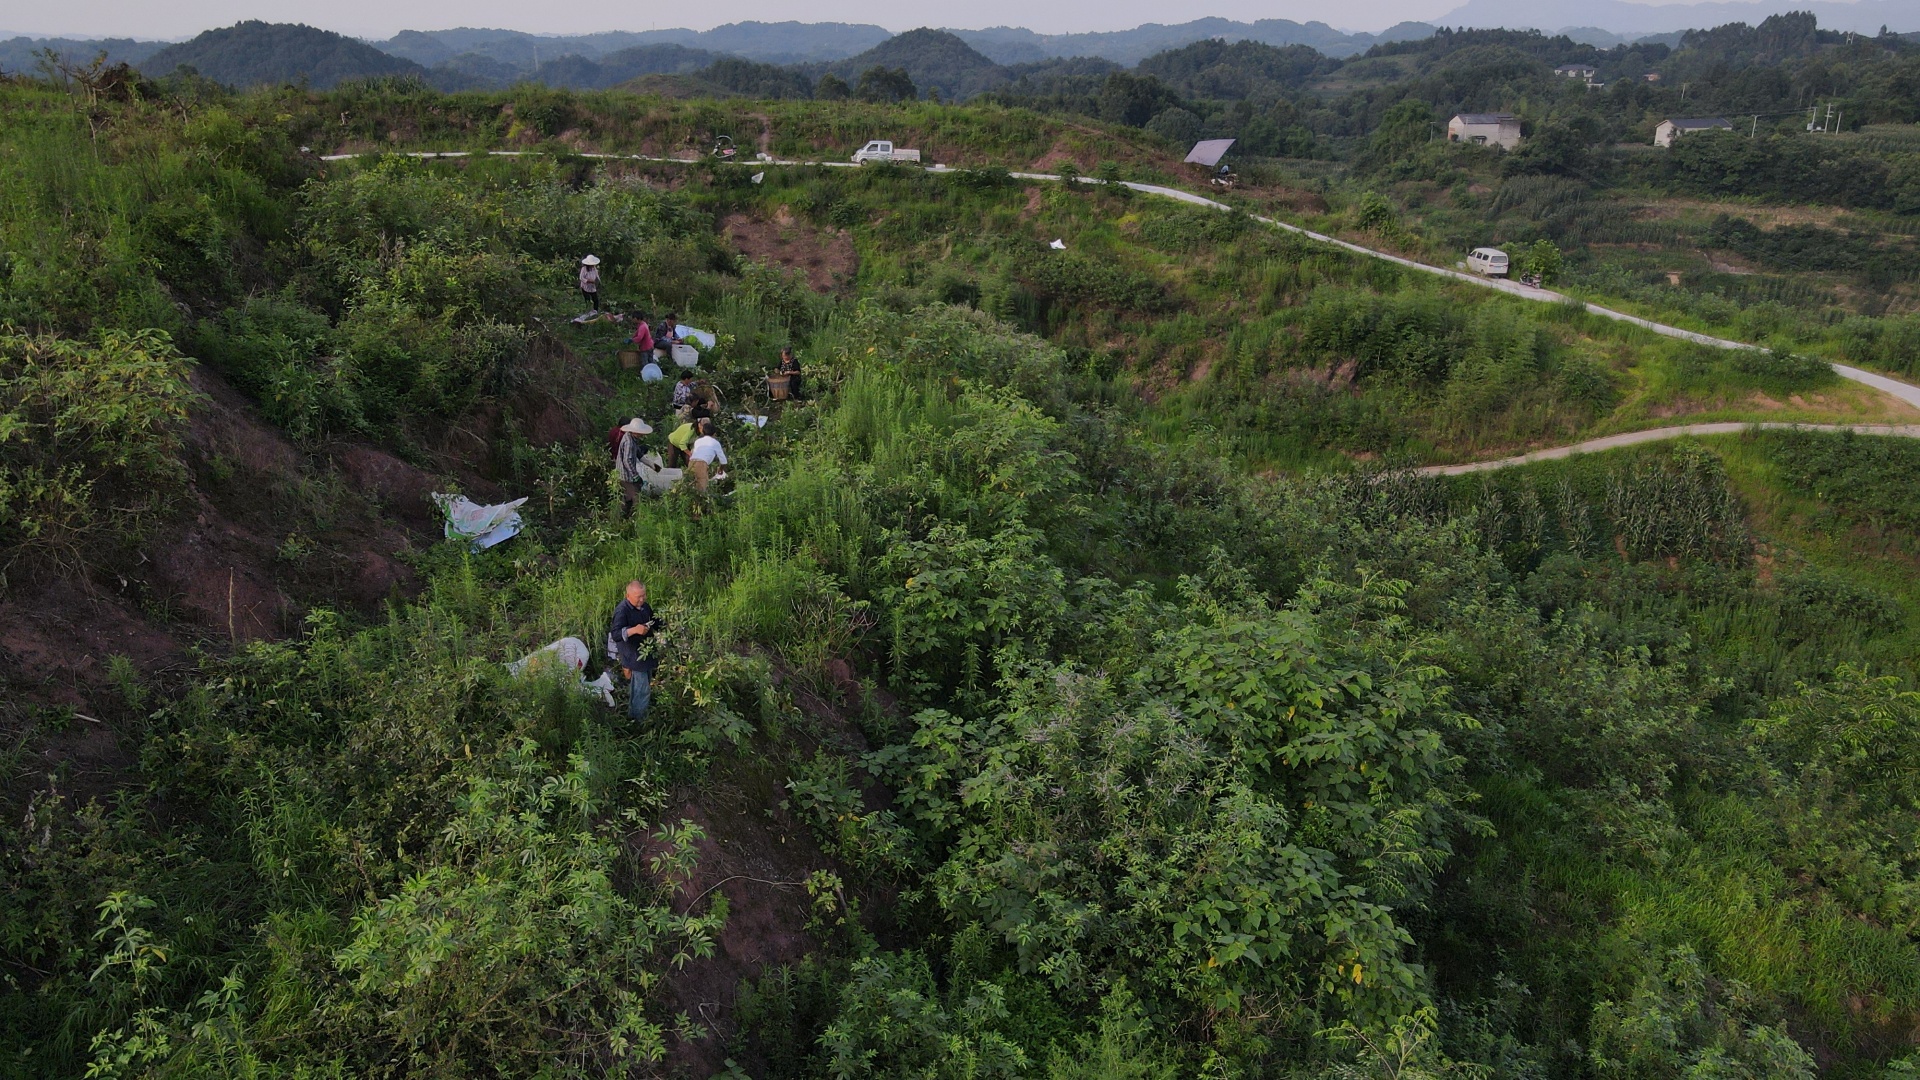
(631, 642)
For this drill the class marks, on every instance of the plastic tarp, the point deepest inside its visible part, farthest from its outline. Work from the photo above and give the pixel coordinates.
(1208, 152)
(706, 340)
(481, 526)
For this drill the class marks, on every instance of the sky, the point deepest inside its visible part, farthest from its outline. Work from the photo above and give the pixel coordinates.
(383, 18)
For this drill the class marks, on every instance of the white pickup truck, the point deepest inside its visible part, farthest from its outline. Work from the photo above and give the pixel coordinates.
(882, 150)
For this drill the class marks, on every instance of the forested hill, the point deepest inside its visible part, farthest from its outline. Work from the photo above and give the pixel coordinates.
(255, 53)
(934, 59)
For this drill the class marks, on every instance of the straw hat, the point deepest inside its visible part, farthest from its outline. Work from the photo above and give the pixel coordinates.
(591, 260)
(637, 426)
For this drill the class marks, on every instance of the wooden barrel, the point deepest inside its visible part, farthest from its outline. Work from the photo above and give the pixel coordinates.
(779, 386)
(629, 358)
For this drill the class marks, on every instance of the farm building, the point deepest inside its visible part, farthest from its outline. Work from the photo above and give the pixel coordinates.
(1494, 129)
(1670, 130)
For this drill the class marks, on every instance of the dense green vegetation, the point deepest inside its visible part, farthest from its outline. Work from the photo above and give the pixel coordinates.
(1767, 232)
(1110, 748)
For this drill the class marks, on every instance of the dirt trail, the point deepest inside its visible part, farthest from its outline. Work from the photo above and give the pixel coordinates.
(1631, 438)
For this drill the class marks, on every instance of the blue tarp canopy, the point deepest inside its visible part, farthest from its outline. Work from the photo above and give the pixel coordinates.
(1208, 152)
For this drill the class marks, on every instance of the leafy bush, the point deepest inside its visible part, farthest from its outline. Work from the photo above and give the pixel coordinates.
(1862, 477)
(1073, 278)
(90, 442)
(520, 933)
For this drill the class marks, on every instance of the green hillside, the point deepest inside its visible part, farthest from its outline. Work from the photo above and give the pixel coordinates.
(1073, 680)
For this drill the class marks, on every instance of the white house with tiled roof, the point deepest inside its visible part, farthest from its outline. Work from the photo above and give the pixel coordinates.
(1670, 130)
(1486, 129)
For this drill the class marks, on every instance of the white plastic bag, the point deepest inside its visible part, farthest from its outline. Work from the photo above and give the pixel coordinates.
(602, 687)
(482, 526)
(568, 651)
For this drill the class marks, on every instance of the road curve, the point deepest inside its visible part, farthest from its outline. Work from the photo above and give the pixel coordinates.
(1904, 391)
(1614, 442)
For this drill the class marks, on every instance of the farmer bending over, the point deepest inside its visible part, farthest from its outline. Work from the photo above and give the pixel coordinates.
(707, 454)
(630, 643)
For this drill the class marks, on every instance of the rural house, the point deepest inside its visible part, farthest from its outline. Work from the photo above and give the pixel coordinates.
(1670, 130)
(1498, 129)
(1583, 72)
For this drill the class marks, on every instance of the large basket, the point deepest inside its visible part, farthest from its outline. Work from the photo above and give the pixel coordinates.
(630, 358)
(779, 387)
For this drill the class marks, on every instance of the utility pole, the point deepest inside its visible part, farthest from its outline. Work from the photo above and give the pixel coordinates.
(1755, 133)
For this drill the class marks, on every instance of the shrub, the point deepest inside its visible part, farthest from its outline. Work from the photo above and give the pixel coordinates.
(91, 437)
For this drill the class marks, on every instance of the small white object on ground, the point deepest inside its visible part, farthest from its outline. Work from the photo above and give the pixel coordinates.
(759, 176)
(1058, 245)
(751, 419)
(602, 686)
(651, 372)
(481, 526)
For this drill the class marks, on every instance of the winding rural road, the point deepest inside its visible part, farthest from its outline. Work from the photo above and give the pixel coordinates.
(1904, 391)
(1631, 438)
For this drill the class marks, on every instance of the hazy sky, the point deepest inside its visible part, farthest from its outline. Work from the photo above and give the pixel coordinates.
(382, 18)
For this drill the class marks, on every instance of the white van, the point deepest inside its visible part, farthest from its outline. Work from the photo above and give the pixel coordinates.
(1489, 261)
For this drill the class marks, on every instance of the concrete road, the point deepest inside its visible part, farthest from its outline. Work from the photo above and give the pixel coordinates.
(1613, 442)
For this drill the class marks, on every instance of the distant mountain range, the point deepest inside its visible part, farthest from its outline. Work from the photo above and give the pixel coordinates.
(1012, 45)
(959, 63)
(772, 43)
(17, 51)
(803, 43)
(1630, 20)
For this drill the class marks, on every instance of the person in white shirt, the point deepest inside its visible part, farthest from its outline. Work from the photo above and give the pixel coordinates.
(590, 280)
(707, 453)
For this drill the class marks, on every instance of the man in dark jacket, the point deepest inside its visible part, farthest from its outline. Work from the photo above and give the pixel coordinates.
(631, 644)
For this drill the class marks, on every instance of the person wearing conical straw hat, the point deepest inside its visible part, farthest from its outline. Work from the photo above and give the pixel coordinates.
(627, 458)
(590, 280)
